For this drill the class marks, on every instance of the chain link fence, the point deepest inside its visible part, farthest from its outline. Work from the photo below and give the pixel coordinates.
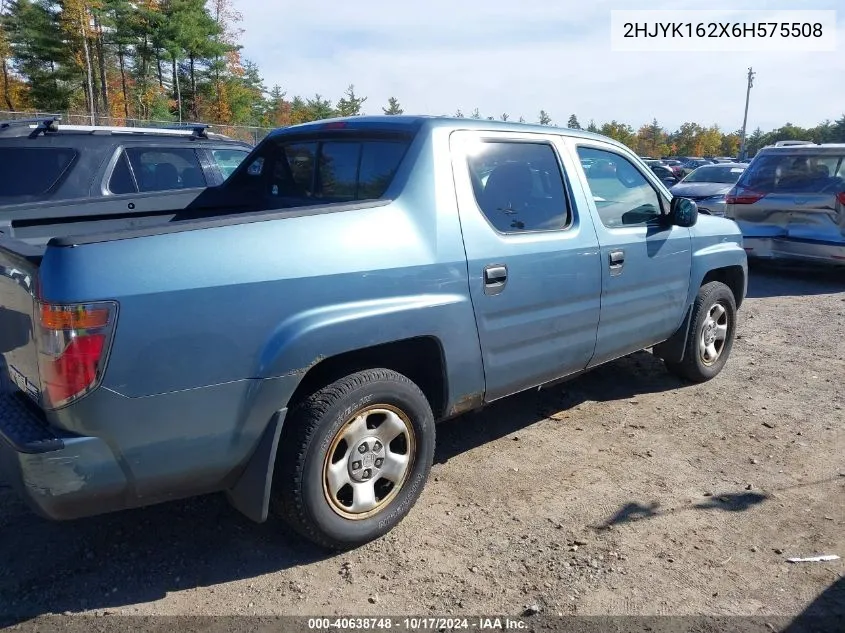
(248, 133)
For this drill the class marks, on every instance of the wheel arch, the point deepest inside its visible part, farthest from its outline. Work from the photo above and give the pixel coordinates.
(734, 277)
(421, 359)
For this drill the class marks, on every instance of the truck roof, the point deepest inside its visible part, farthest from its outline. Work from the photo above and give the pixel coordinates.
(416, 121)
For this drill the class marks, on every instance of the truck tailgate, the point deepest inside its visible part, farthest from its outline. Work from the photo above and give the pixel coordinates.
(17, 290)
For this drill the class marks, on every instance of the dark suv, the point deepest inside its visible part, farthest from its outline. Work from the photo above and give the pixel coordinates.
(43, 160)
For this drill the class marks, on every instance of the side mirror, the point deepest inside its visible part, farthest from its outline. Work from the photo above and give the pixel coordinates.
(683, 212)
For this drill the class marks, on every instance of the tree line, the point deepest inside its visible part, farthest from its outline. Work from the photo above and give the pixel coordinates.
(175, 60)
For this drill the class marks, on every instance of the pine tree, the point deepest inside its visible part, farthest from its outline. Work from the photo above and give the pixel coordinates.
(545, 119)
(350, 104)
(318, 108)
(13, 88)
(41, 55)
(393, 107)
(592, 127)
(505, 116)
(573, 122)
(459, 114)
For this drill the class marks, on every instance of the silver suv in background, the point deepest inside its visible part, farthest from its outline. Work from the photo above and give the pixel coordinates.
(790, 203)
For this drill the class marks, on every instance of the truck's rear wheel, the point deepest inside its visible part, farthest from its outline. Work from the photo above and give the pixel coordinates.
(711, 334)
(354, 458)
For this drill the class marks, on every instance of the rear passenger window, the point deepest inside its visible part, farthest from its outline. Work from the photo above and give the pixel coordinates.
(158, 169)
(121, 180)
(519, 186)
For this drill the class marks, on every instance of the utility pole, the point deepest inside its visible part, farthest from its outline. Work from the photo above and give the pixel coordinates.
(745, 118)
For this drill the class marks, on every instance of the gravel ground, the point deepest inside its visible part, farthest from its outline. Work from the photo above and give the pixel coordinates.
(621, 492)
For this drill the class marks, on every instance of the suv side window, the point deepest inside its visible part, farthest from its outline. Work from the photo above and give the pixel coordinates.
(621, 193)
(228, 160)
(121, 180)
(27, 173)
(162, 169)
(519, 186)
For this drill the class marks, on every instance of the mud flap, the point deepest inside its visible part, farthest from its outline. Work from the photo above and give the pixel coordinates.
(672, 349)
(251, 494)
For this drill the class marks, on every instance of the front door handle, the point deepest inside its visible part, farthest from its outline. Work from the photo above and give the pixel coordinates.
(617, 261)
(495, 278)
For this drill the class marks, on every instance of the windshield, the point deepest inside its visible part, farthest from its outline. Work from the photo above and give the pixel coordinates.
(726, 175)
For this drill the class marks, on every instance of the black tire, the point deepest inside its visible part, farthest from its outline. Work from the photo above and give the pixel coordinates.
(693, 367)
(298, 495)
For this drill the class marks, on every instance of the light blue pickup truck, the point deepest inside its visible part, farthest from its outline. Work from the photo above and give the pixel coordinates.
(291, 337)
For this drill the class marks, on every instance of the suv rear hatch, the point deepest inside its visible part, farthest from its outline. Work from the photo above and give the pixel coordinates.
(794, 194)
(17, 302)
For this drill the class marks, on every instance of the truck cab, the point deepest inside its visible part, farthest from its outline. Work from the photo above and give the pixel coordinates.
(291, 337)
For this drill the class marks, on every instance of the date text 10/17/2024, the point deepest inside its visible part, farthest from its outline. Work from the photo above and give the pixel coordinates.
(417, 624)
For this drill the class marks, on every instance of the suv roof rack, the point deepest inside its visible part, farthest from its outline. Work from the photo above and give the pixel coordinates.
(38, 124)
(50, 123)
(198, 130)
(791, 143)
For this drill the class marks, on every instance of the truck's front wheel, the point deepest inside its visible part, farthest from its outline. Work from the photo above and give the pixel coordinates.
(711, 334)
(354, 458)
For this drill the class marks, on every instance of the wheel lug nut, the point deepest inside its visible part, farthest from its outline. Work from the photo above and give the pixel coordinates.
(367, 474)
(356, 465)
(379, 462)
(377, 447)
(363, 448)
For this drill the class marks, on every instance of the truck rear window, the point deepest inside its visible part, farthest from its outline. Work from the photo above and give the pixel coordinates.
(323, 170)
(29, 172)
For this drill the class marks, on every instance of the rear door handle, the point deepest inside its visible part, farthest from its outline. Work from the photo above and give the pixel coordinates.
(495, 278)
(617, 261)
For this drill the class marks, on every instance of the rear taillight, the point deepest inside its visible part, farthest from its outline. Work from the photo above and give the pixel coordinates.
(73, 343)
(742, 196)
(841, 197)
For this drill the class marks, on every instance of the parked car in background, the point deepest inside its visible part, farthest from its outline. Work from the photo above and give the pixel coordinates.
(688, 166)
(708, 185)
(790, 203)
(666, 174)
(291, 337)
(45, 161)
(673, 164)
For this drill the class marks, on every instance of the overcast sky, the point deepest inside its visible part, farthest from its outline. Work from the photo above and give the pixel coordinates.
(520, 56)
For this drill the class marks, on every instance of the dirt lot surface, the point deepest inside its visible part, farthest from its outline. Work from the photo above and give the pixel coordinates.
(620, 492)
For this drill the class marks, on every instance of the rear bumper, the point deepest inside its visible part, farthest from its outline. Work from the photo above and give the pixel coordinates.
(795, 249)
(59, 476)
